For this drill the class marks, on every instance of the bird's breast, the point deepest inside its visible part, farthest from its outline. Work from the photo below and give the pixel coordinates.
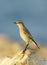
(23, 36)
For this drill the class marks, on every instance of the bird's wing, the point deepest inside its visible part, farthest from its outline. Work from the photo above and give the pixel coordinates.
(30, 36)
(26, 31)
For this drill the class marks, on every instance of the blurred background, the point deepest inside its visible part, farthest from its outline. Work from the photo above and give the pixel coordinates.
(32, 12)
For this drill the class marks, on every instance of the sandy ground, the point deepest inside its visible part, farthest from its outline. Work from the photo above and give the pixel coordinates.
(9, 48)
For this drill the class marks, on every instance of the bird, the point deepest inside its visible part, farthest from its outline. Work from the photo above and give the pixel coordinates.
(25, 34)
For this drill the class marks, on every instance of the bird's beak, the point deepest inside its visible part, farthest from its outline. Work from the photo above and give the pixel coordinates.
(15, 23)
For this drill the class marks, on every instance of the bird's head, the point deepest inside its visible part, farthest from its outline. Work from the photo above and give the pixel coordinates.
(19, 23)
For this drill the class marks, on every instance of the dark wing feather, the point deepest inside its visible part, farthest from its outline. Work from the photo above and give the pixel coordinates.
(30, 36)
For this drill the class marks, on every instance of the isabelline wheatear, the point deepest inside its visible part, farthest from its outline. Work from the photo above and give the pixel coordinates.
(25, 34)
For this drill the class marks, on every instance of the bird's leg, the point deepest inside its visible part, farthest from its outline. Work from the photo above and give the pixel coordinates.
(25, 48)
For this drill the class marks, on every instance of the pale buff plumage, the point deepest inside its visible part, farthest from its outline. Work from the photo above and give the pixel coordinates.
(25, 34)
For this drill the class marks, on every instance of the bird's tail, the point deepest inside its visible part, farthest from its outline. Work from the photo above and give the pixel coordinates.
(33, 41)
(36, 44)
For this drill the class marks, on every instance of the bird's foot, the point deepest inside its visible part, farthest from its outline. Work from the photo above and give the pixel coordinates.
(25, 48)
